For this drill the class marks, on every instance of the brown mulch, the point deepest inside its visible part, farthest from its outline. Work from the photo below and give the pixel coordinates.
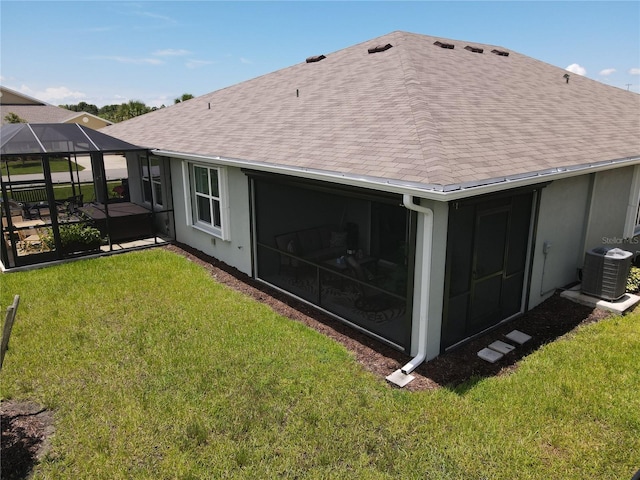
(27, 427)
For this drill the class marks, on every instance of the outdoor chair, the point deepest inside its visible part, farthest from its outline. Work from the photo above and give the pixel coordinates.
(369, 299)
(70, 205)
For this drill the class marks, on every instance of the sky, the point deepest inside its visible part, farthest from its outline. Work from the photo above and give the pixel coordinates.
(154, 51)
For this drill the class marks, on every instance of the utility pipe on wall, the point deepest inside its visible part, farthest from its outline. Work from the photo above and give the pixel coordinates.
(425, 272)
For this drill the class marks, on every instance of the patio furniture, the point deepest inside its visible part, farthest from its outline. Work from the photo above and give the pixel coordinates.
(126, 221)
(29, 235)
(36, 210)
(370, 299)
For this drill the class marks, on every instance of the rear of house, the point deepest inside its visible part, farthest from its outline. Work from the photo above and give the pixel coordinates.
(420, 205)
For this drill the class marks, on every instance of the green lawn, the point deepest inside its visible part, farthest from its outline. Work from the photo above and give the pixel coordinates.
(156, 371)
(17, 167)
(86, 189)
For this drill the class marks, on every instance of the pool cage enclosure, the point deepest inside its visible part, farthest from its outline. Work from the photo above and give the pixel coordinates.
(43, 221)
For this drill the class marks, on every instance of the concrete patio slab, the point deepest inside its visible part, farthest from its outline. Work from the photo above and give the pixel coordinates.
(627, 302)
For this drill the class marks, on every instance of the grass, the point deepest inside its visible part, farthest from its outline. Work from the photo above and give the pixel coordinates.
(154, 370)
(86, 189)
(35, 166)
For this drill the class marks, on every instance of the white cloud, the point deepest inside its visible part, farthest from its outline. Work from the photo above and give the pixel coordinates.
(245, 61)
(197, 63)
(158, 101)
(607, 71)
(634, 71)
(171, 52)
(131, 60)
(156, 16)
(54, 95)
(577, 69)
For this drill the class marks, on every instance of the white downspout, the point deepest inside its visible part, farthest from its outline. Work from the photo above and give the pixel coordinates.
(425, 272)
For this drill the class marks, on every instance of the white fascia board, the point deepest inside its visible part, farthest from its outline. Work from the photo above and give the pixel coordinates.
(421, 191)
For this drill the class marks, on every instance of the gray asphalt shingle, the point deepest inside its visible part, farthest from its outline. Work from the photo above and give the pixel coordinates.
(415, 113)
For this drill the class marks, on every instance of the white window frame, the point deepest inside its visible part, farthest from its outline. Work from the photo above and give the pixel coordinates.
(632, 222)
(191, 195)
(153, 181)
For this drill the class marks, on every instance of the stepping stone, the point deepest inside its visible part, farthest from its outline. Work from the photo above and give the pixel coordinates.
(490, 355)
(400, 379)
(501, 347)
(518, 337)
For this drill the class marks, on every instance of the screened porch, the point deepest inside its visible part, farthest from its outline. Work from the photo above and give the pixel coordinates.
(65, 193)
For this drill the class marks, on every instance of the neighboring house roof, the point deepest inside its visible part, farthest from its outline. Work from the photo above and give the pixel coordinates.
(417, 113)
(36, 111)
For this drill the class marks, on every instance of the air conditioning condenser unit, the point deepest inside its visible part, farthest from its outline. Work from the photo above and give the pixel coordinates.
(605, 272)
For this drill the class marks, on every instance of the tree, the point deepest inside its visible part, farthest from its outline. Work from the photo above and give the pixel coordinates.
(109, 112)
(13, 118)
(82, 107)
(87, 107)
(133, 108)
(183, 98)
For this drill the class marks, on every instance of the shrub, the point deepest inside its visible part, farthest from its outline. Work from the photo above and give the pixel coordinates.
(633, 281)
(73, 235)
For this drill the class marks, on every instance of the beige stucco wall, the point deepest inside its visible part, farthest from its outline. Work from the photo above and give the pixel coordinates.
(88, 121)
(8, 97)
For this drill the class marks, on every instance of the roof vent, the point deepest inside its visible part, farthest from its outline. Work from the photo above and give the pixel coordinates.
(444, 45)
(380, 48)
(315, 58)
(474, 49)
(501, 53)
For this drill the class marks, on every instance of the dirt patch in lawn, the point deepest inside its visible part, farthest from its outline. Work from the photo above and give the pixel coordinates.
(27, 427)
(26, 430)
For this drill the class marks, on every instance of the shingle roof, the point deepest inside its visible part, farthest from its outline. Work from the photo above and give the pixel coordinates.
(37, 113)
(415, 112)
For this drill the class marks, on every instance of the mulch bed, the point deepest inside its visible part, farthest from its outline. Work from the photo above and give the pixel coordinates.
(26, 427)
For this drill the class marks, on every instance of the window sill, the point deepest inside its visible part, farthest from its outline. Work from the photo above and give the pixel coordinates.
(209, 231)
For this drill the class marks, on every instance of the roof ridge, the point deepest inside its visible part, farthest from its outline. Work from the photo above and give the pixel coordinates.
(427, 131)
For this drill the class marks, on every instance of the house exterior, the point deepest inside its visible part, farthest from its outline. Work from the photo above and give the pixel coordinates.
(35, 111)
(420, 189)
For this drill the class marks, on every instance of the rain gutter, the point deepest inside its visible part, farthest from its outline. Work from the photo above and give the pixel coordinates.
(427, 191)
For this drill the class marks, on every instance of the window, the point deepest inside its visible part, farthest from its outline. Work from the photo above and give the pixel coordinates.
(632, 223)
(207, 186)
(151, 181)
